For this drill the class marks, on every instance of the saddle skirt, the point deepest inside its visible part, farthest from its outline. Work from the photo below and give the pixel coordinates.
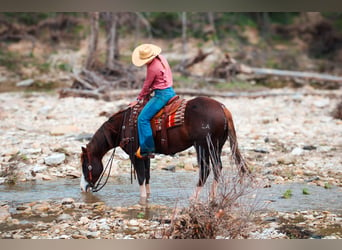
(171, 115)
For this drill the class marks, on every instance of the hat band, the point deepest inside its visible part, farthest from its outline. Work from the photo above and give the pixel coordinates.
(146, 56)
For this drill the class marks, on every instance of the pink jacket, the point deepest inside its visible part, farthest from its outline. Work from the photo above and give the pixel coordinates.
(158, 76)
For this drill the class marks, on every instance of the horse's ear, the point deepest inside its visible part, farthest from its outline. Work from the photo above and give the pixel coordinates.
(84, 150)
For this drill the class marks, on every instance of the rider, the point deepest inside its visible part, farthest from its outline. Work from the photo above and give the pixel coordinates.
(158, 79)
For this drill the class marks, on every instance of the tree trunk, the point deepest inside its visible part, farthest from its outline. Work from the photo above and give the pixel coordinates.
(212, 26)
(145, 22)
(93, 39)
(112, 39)
(184, 39)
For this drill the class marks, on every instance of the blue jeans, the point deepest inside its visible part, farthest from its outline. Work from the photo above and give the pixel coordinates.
(156, 103)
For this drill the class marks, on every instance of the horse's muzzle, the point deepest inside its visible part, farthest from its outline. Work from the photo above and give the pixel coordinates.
(89, 188)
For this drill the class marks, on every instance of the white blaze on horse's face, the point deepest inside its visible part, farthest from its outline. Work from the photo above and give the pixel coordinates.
(85, 187)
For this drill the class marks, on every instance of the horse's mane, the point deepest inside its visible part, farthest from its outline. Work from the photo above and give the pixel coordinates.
(119, 112)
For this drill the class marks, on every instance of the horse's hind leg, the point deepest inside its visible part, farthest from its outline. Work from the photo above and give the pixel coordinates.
(215, 150)
(204, 171)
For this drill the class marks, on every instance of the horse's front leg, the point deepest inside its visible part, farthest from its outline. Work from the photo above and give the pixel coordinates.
(147, 176)
(142, 168)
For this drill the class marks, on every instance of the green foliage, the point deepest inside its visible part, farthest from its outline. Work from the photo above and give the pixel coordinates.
(306, 191)
(65, 67)
(9, 59)
(235, 85)
(141, 215)
(284, 18)
(165, 24)
(327, 185)
(28, 18)
(287, 194)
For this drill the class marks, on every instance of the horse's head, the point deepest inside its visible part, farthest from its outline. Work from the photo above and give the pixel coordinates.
(91, 170)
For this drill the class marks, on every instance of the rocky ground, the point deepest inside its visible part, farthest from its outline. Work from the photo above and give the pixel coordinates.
(287, 138)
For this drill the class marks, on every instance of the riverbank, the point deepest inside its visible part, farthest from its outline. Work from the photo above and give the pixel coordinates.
(287, 139)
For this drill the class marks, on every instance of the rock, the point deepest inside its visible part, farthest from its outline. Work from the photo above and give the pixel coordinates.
(121, 154)
(324, 149)
(40, 207)
(25, 83)
(309, 147)
(45, 110)
(322, 103)
(78, 236)
(91, 235)
(170, 168)
(38, 168)
(286, 160)
(133, 222)
(74, 174)
(43, 177)
(64, 217)
(2, 180)
(104, 226)
(68, 201)
(84, 137)
(84, 220)
(30, 151)
(54, 159)
(4, 214)
(92, 227)
(297, 151)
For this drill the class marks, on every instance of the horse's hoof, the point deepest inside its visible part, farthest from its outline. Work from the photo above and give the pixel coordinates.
(143, 201)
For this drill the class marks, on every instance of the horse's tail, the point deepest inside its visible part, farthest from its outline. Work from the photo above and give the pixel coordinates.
(239, 160)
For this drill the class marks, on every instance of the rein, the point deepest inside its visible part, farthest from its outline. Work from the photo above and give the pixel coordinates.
(109, 163)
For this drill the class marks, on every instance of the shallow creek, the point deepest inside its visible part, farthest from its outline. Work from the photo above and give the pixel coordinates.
(172, 189)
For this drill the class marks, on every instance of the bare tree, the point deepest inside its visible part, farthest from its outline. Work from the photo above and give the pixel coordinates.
(93, 39)
(184, 40)
(112, 39)
(141, 19)
(212, 26)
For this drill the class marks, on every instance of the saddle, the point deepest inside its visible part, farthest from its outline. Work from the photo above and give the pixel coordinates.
(171, 115)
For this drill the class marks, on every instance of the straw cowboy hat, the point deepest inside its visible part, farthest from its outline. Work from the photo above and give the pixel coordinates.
(144, 53)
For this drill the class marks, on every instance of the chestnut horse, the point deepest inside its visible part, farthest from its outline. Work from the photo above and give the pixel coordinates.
(207, 125)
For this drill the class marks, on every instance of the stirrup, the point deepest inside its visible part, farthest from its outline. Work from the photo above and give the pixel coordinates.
(144, 157)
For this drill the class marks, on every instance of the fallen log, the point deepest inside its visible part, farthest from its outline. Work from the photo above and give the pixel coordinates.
(296, 74)
(230, 68)
(117, 94)
(200, 56)
(69, 92)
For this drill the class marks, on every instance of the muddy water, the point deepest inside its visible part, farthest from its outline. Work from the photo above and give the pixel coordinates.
(172, 189)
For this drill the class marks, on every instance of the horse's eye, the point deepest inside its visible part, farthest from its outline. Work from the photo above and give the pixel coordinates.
(90, 167)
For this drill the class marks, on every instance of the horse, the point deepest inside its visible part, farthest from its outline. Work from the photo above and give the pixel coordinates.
(207, 125)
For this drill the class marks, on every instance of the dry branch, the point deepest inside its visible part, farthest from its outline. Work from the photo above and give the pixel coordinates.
(229, 68)
(192, 61)
(296, 74)
(68, 92)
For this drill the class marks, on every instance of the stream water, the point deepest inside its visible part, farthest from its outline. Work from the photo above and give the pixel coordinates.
(171, 189)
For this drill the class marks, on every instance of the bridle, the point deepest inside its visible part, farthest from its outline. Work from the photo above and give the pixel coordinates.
(109, 164)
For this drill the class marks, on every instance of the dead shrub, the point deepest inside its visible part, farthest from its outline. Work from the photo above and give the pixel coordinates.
(337, 112)
(228, 216)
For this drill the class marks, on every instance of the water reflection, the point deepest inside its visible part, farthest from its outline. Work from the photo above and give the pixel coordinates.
(168, 189)
(90, 197)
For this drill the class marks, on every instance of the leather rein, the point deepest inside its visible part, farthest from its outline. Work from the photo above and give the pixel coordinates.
(109, 164)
